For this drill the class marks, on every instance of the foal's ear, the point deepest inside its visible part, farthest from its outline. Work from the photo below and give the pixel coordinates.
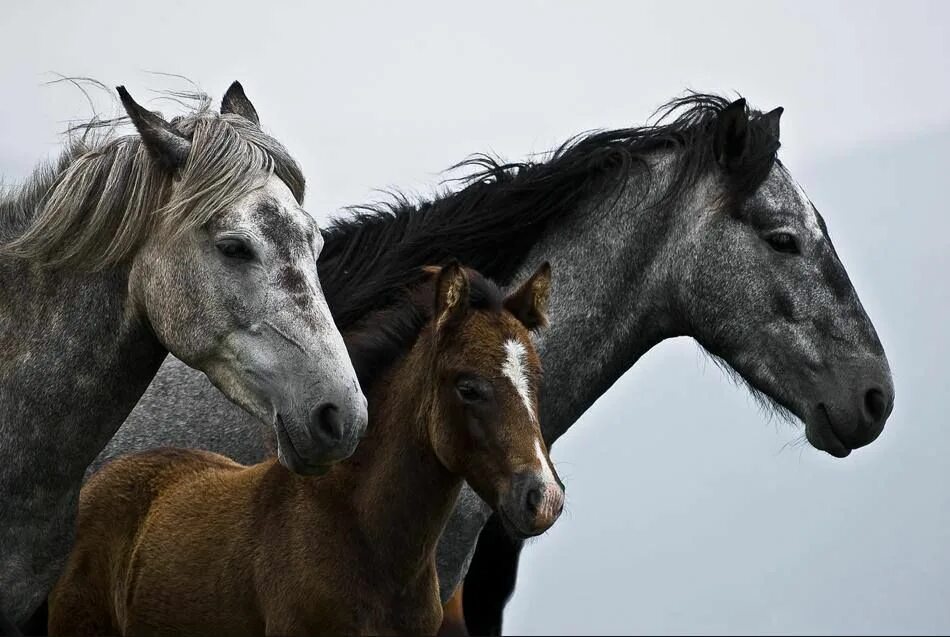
(167, 146)
(529, 303)
(771, 120)
(451, 294)
(732, 134)
(235, 101)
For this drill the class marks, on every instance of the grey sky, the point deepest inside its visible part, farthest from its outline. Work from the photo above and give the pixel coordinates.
(687, 512)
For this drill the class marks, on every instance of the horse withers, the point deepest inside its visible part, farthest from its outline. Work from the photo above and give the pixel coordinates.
(204, 545)
(186, 237)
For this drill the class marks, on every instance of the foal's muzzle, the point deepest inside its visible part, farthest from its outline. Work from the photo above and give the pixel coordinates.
(533, 504)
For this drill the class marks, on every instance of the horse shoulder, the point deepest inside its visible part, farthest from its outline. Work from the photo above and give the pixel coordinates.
(199, 516)
(115, 547)
(113, 506)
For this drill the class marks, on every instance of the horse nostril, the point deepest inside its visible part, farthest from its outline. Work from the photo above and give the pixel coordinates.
(875, 403)
(326, 421)
(534, 500)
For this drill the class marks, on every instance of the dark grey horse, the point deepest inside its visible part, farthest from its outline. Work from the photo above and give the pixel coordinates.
(187, 237)
(689, 227)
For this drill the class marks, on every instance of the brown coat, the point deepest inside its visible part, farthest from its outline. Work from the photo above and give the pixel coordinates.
(177, 542)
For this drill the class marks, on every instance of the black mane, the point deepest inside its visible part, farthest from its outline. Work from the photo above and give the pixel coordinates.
(491, 223)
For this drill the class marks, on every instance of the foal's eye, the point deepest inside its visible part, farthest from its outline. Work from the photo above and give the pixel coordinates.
(469, 390)
(783, 242)
(235, 248)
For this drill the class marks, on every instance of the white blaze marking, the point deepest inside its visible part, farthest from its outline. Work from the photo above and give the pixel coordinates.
(514, 369)
(547, 473)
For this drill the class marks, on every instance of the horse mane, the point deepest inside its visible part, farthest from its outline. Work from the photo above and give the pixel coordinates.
(380, 337)
(93, 208)
(491, 223)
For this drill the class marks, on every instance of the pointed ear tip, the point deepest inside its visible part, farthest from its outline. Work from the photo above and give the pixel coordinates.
(132, 107)
(543, 274)
(452, 271)
(735, 109)
(235, 88)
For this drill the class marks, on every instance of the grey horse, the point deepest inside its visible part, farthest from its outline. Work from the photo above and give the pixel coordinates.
(690, 226)
(187, 237)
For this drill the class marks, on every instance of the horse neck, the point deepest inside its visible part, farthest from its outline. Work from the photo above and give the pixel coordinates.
(613, 293)
(75, 359)
(402, 492)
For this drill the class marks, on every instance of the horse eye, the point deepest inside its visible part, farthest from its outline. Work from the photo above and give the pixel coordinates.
(235, 248)
(469, 391)
(783, 242)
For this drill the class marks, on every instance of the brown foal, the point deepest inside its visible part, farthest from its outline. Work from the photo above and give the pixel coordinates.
(189, 542)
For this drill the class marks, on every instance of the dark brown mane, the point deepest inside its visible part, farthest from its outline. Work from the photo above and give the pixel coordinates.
(381, 337)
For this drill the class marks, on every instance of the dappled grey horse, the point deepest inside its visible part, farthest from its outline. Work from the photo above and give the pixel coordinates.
(688, 227)
(186, 237)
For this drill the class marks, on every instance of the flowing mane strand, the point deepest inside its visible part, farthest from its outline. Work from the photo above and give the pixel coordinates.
(494, 220)
(93, 208)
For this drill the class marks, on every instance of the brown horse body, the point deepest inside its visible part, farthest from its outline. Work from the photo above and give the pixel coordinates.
(189, 542)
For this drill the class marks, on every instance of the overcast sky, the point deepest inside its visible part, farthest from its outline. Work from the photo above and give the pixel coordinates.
(687, 511)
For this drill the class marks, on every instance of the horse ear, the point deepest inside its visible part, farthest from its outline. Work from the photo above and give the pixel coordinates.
(529, 303)
(451, 294)
(235, 101)
(732, 134)
(167, 146)
(771, 121)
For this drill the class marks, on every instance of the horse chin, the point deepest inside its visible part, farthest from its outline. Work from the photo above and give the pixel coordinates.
(288, 455)
(514, 530)
(821, 434)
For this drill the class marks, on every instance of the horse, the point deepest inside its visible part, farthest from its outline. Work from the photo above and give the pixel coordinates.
(187, 237)
(205, 545)
(688, 226)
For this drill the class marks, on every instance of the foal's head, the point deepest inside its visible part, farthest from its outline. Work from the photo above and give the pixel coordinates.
(486, 373)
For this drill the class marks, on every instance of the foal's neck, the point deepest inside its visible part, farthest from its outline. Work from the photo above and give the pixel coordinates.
(402, 493)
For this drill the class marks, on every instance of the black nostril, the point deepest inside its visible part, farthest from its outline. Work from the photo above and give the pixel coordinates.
(326, 420)
(875, 403)
(534, 500)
